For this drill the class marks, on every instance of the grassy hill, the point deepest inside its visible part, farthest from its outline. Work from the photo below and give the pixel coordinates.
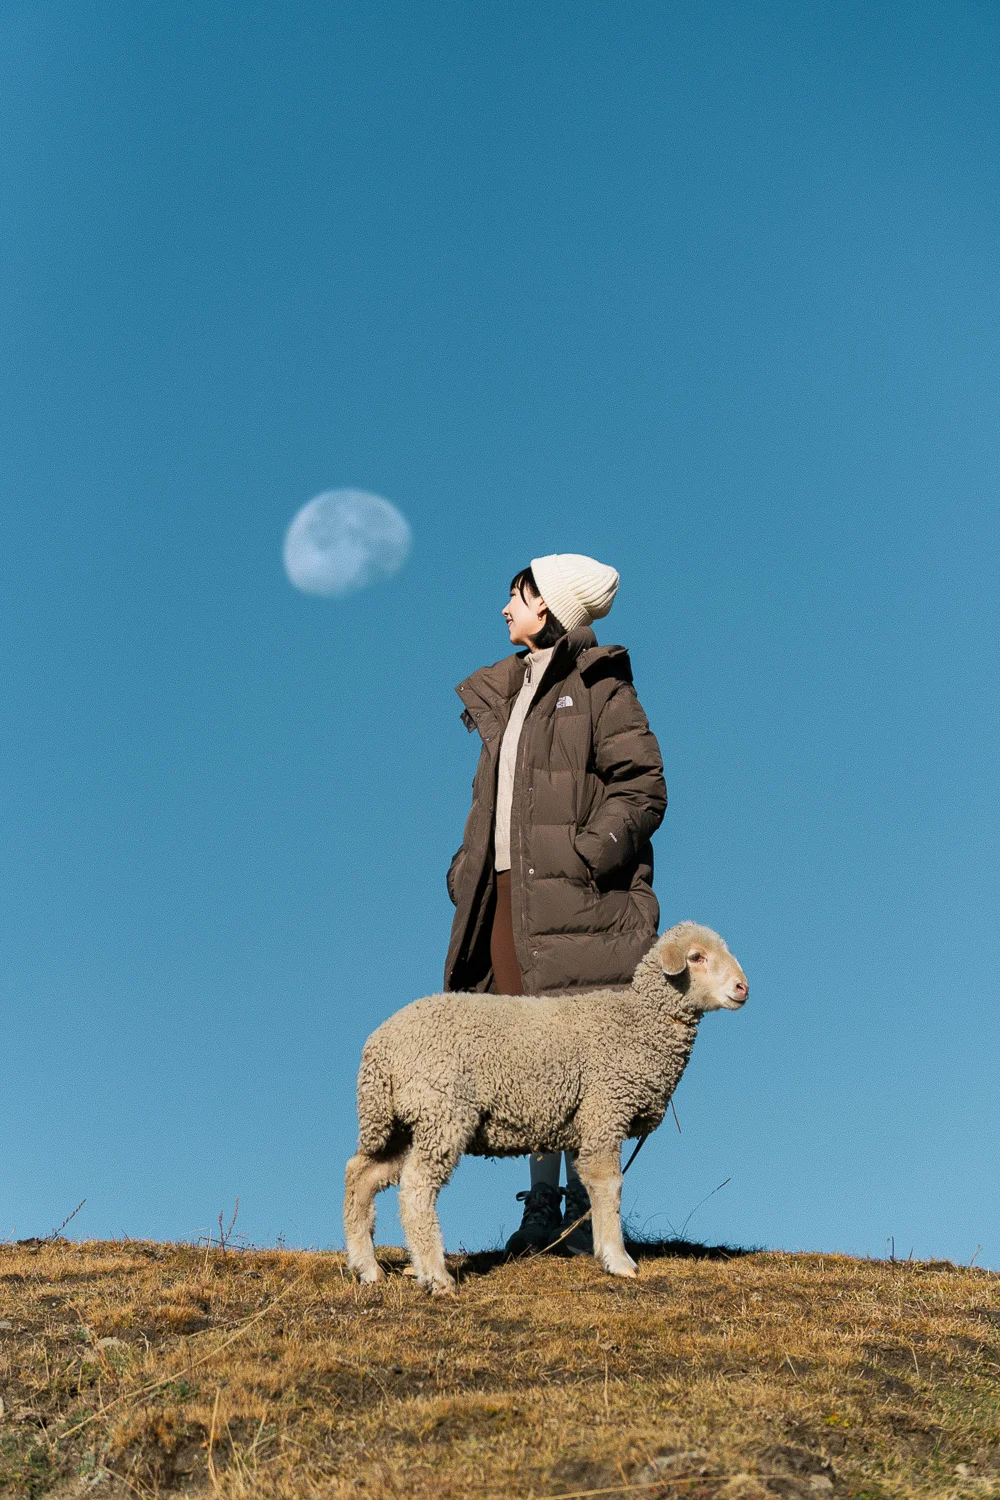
(145, 1369)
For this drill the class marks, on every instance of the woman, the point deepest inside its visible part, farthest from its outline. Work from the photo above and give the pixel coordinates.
(553, 882)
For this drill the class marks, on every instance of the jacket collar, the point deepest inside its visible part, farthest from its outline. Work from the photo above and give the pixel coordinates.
(489, 693)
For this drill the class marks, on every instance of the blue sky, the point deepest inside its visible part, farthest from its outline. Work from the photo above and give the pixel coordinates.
(709, 291)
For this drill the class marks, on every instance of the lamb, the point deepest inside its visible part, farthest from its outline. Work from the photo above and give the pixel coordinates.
(502, 1075)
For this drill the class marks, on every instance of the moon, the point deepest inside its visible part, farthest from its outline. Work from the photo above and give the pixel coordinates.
(343, 540)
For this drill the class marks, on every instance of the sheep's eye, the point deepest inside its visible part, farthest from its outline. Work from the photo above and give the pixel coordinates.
(696, 958)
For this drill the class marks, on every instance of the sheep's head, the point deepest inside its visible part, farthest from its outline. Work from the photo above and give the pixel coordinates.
(697, 961)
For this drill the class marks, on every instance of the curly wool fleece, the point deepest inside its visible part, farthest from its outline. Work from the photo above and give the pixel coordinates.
(509, 1073)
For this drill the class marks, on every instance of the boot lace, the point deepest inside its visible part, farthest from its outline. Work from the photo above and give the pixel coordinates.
(540, 1207)
(577, 1201)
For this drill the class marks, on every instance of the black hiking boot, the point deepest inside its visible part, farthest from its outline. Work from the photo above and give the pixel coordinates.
(581, 1240)
(540, 1224)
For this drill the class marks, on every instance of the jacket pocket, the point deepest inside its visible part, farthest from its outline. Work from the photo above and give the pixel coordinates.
(587, 876)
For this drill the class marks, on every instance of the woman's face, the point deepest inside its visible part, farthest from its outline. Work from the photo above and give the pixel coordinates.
(525, 618)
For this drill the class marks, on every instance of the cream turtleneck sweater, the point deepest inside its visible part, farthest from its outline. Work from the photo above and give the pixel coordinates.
(534, 670)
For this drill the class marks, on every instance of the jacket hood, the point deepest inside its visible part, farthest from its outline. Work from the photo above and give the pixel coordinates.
(488, 693)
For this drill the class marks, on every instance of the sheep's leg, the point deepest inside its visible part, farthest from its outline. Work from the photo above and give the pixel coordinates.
(427, 1169)
(364, 1177)
(602, 1177)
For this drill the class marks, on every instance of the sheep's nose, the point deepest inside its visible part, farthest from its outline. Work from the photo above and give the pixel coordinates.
(742, 988)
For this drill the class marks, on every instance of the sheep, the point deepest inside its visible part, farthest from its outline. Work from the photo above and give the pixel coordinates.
(503, 1075)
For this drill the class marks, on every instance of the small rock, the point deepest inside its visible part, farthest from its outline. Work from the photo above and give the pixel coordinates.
(821, 1484)
(5, 1325)
(964, 1471)
(110, 1344)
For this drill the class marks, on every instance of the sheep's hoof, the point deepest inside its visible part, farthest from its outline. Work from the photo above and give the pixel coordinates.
(621, 1266)
(439, 1286)
(371, 1273)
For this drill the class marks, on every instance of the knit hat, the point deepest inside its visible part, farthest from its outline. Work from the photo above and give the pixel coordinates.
(577, 589)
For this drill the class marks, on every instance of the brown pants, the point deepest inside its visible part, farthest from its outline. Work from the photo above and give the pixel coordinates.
(506, 969)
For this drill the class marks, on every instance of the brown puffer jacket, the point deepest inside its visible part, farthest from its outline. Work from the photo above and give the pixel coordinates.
(588, 796)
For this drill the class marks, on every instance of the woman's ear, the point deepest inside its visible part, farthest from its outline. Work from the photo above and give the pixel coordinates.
(673, 958)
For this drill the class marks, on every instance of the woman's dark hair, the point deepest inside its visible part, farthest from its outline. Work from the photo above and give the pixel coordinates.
(550, 632)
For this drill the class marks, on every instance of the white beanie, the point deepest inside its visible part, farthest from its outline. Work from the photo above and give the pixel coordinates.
(577, 589)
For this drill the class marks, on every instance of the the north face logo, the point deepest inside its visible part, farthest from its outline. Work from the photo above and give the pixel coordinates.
(566, 702)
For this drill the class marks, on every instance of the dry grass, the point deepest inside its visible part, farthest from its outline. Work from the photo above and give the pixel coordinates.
(270, 1373)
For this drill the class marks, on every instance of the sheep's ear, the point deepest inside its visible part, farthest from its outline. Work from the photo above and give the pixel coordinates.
(673, 958)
